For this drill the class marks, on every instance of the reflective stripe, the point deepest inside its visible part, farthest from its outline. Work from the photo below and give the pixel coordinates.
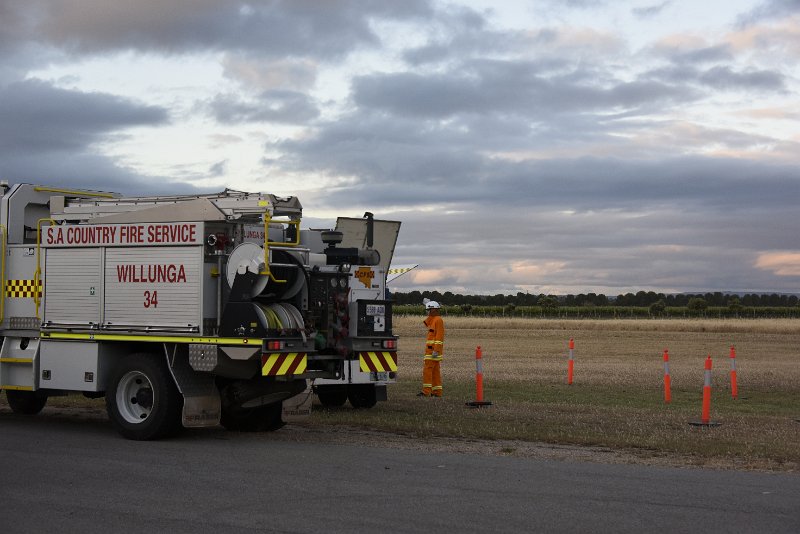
(283, 363)
(707, 377)
(436, 388)
(23, 288)
(666, 368)
(437, 342)
(434, 358)
(733, 364)
(155, 339)
(377, 362)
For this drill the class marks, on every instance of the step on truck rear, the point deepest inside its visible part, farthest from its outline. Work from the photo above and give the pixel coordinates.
(182, 311)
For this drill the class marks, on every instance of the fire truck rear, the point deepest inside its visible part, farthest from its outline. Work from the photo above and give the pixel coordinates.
(183, 310)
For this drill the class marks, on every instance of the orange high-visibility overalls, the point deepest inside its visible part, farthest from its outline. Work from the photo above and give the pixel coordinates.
(434, 348)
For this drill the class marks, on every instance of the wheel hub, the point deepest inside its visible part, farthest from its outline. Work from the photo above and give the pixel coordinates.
(135, 397)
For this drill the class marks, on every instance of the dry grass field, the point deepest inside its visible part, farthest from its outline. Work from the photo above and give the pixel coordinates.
(616, 399)
(615, 404)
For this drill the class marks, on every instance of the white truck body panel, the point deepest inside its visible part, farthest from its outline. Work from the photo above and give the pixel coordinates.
(154, 286)
(74, 366)
(74, 288)
(127, 276)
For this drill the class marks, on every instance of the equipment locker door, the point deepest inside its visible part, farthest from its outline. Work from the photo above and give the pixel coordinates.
(73, 287)
(154, 287)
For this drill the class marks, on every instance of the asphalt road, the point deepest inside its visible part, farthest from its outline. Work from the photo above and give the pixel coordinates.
(60, 474)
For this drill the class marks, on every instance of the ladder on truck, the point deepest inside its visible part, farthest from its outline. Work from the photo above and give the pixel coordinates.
(228, 205)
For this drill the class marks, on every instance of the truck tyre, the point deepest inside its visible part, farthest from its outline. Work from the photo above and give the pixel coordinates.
(142, 399)
(257, 419)
(362, 395)
(332, 396)
(26, 402)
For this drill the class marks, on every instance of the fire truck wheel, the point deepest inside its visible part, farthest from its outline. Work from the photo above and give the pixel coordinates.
(333, 397)
(26, 402)
(362, 396)
(142, 400)
(257, 419)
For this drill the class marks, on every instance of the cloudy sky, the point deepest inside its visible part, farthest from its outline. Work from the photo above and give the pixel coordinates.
(557, 146)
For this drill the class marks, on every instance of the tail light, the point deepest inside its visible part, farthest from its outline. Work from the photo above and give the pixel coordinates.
(389, 343)
(275, 345)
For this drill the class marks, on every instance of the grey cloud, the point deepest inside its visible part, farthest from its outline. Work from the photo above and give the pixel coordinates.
(721, 77)
(770, 10)
(580, 4)
(381, 149)
(14, 26)
(46, 135)
(86, 170)
(668, 249)
(651, 11)
(554, 47)
(679, 248)
(218, 168)
(18, 53)
(463, 45)
(482, 87)
(419, 95)
(726, 78)
(439, 165)
(460, 33)
(279, 106)
(279, 28)
(37, 115)
(708, 54)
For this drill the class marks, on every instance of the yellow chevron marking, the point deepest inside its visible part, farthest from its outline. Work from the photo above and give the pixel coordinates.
(376, 362)
(299, 360)
(287, 363)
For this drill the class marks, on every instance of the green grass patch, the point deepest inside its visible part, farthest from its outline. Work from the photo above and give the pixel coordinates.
(758, 430)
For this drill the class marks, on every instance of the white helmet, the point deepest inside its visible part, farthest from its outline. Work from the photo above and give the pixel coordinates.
(430, 304)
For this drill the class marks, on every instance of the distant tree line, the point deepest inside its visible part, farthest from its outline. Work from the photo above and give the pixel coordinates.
(592, 305)
(639, 299)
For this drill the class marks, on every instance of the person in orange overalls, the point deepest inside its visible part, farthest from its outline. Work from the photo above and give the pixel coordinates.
(434, 349)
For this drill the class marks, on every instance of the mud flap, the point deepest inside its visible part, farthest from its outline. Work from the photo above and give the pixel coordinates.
(201, 402)
(298, 408)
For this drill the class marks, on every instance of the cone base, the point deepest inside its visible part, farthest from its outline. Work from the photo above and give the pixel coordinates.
(478, 404)
(700, 423)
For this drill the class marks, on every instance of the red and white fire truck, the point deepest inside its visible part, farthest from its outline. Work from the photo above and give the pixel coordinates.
(190, 310)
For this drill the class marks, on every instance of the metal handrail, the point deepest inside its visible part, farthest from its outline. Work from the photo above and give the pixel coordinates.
(40, 189)
(267, 221)
(3, 274)
(37, 275)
